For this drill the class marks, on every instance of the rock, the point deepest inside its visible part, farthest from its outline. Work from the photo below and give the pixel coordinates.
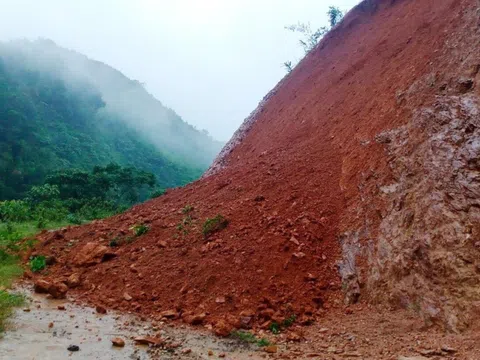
(26, 310)
(352, 354)
(195, 319)
(400, 357)
(464, 85)
(162, 243)
(100, 309)
(127, 297)
(245, 322)
(210, 353)
(90, 254)
(294, 240)
(50, 325)
(220, 300)
(61, 307)
(429, 353)
(58, 290)
(448, 349)
(222, 329)
(73, 280)
(299, 255)
(41, 286)
(271, 349)
(222, 355)
(294, 337)
(267, 313)
(118, 342)
(148, 340)
(169, 314)
(186, 351)
(73, 348)
(50, 260)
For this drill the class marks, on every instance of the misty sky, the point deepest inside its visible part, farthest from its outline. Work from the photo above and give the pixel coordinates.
(210, 60)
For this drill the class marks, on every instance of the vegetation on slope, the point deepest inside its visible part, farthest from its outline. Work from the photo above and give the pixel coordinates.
(46, 125)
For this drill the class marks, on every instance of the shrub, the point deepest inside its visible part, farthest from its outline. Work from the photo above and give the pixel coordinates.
(140, 229)
(213, 225)
(187, 209)
(14, 210)
(38, 263)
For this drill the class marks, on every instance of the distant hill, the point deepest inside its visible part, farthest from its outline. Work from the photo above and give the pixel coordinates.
(59, 109)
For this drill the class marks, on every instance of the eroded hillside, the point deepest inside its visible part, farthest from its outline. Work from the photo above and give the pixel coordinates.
(356, 179)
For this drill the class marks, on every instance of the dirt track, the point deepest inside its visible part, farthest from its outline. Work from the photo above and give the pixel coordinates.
(307, 173)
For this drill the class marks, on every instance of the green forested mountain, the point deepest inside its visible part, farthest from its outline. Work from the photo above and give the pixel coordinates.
(61, 110)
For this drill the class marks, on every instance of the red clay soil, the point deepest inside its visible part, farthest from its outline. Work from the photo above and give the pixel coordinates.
(288, 190)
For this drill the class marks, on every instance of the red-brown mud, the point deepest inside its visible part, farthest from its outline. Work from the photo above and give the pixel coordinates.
(289, 189)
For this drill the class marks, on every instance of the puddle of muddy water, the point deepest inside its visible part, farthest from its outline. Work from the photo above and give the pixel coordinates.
(45, 332)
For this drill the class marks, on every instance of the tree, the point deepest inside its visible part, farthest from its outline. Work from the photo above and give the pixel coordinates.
(310, 38)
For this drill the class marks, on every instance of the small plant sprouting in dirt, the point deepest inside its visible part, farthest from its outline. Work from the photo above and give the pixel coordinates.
(248, 337)
(38, 263)
(289, 321)
(212, 225)
(115, 242)
(263, 342)
(274, 328)
(187, 209)
(139, 229)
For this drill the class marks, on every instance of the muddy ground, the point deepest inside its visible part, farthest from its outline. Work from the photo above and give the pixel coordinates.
(41, 330)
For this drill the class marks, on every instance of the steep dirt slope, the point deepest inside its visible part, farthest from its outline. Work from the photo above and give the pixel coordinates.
(357, 177)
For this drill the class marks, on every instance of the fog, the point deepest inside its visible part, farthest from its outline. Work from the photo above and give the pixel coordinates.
(211, 61)
(123, 99)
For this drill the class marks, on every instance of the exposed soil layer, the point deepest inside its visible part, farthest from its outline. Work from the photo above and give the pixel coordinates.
(311, 188)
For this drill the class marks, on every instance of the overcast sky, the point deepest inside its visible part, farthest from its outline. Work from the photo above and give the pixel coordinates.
(210, 60)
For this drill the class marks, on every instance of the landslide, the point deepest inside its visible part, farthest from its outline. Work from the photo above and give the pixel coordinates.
(313, 184)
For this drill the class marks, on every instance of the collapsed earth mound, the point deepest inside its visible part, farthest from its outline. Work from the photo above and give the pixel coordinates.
(356, 179)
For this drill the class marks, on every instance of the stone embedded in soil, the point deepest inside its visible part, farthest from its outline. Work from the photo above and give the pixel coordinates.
(73, 280)
(148, 340)
(41, 286)
(222, 329)
(73, 348)
(118, 342)
(127, 297)
(220, 300)
(58, 290)
(195, 319)
(61, 307)
(169, 314)
(271, 349)
(90, 254)
(100, 309)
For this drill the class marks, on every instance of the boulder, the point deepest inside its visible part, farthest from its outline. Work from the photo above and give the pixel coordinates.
(58, 290)
(90, 254)
(41, 286)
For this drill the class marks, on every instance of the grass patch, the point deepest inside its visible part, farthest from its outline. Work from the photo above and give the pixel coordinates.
(212, 225)
(7, 303)
(187, 209)
(248, 337)
(38, 263)
(11, 243)
(139, 229)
